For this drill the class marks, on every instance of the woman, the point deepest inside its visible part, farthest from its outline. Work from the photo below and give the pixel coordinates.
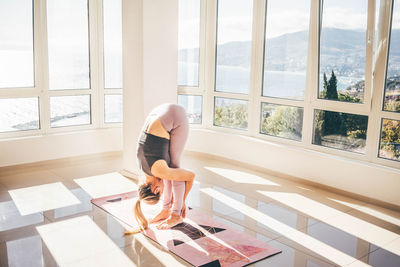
(160, 147)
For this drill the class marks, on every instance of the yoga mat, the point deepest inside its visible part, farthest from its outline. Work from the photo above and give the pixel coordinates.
(200, 239)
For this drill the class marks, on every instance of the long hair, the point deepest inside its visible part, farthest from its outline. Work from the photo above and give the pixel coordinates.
(146, 195)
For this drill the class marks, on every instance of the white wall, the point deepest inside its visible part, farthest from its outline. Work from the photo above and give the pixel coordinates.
(366, 179)
(150, 53)
(59, 145)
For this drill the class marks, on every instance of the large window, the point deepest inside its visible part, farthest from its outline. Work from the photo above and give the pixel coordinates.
(52, 73)
(305, 73)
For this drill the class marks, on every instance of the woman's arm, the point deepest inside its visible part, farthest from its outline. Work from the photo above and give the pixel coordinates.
(162, 170)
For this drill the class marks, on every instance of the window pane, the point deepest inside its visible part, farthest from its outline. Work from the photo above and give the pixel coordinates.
(342, 50)
(390, 140)
(233, 51)
(69, 110)
(286, 45)
(392, 91)
(193, 106)
(112, 108)
(19, 114)
(112, 43)
(189, 42)
(282, 121)
(230, 113)
(16, 43)
(68, 37)
(340, 130)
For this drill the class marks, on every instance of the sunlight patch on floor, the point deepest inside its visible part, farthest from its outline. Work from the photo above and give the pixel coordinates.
(372, 212)
(301, 238)
(44, 197)
(106, 184)
(241, 177)
(341, 220)
(80, 241)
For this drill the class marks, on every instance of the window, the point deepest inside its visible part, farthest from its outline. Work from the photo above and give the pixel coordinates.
(68, 44)
(112, 21)
(282, 121)
(112, 25)
(193, 106)
(390, 140)
(189, 40)
(392, 86)
(300, 72)
(189, 62)
(285, 48)
(230, 113)
(343, 50)
(233, 51)
(69, 110)
(113, 108)
(19, 114)
(63, 73)
(340, 130)
(16, 44)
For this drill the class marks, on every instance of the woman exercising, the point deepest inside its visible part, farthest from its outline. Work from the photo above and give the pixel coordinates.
(159, 151)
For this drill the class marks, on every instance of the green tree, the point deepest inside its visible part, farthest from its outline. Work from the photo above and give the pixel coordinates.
(390, 138)
(331, 87)
(234, 116)
(283, 121)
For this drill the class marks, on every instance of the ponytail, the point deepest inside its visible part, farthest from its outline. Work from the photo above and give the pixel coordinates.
(149, 197)
(139, 216)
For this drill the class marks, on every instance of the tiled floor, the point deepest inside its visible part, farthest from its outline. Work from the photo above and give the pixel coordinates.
(46, 218)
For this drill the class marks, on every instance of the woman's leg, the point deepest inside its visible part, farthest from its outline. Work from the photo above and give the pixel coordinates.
(167, 194)
(178, 189)
(178, 138)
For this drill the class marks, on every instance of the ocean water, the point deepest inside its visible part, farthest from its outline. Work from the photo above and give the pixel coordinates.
(282, 84)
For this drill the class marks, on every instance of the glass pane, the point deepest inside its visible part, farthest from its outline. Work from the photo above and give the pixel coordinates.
(286, 46)
(340, 130)
(112, 43)
(68, 37)
(230, 113)
(390, 140)
(69, 110)
(193, 106)
(112, 108)
(392, 91)
(19, 114)
(282, 121)
(233, 51)
(16, 44)
(342, 50)
(189, 42)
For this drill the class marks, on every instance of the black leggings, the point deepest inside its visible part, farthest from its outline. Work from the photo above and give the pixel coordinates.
(150, 149)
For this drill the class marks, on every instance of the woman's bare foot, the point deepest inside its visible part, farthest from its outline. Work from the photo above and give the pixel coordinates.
(174, 219)
(164, 214)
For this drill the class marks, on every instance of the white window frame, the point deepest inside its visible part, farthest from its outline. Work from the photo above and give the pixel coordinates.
(374, 81)
(41, 75)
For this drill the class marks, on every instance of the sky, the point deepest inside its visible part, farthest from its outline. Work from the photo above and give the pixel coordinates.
(235, 18)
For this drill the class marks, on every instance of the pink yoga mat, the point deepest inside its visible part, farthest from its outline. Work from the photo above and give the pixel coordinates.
(199, 240)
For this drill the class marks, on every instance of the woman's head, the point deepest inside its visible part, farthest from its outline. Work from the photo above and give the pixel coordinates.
(146, 195)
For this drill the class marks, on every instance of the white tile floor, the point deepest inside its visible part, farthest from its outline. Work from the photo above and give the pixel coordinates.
(46, 218)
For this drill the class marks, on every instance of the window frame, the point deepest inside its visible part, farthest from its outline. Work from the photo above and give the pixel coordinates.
(374, 80)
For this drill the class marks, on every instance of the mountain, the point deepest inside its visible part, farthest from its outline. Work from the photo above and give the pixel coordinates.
(341, 50)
